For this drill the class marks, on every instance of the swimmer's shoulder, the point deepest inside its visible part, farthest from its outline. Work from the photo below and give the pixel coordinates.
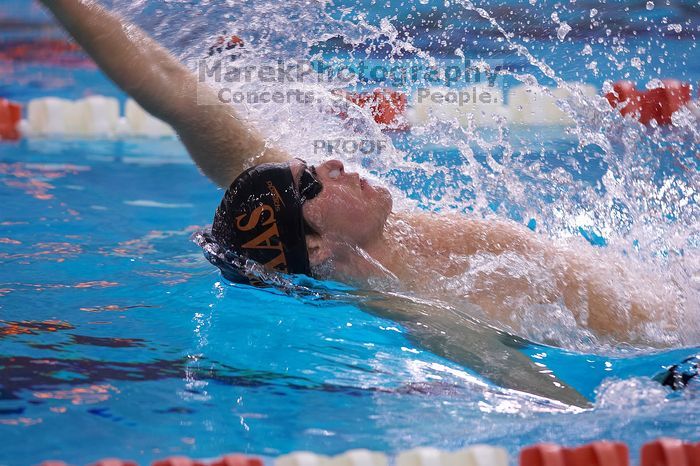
(453, 221)
(469, 234)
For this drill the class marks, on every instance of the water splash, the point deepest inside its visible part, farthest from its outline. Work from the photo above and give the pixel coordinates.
(641, 204)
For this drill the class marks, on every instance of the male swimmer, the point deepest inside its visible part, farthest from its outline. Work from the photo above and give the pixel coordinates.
(324, 221)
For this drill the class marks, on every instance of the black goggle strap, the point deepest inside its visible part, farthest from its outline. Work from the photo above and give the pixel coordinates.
(309, 186)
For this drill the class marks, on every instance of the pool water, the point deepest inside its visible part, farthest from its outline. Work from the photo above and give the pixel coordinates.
(118, 338)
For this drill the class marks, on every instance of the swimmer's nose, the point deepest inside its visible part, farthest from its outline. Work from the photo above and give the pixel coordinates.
(335, 164)
(335, 168)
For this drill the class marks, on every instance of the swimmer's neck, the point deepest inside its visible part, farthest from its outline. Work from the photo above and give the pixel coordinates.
(391, 256)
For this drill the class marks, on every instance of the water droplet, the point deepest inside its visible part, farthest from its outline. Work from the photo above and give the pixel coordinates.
(655, 84)
(563, 30)
(650, 5)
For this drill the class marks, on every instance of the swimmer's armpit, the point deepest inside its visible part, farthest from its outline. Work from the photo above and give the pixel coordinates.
(220, 141)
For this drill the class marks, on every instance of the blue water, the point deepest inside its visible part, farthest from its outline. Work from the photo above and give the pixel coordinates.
(117, 337)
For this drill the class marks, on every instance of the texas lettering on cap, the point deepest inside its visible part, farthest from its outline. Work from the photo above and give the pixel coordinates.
(260, 218)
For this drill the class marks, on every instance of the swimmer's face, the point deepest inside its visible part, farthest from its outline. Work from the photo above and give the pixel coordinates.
(349, 209)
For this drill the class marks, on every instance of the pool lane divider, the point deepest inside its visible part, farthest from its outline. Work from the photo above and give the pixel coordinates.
(115, 462)
(10, 116)
(99, 116)
(661, 452)
(387, 106)
(670, 452)
(594, 454)
(658, 104)
(227, 460)
(92, 117)
(477, 455)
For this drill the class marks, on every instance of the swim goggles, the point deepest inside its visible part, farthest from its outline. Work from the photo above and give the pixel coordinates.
(309, 184)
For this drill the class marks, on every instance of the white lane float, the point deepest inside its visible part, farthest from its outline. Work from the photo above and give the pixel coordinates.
(97, 116)
(359, 457)
(537, 106)
(423, 456)
(485, 106)
(480, 105)
(476, 455)
(141, 123)
(91, 117)
(94, 116)
(302, 458)
(51, 116)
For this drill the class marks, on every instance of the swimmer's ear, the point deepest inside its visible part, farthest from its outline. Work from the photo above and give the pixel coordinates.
(319, 251)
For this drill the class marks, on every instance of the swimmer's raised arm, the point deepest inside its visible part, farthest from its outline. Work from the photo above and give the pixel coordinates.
(220, 142)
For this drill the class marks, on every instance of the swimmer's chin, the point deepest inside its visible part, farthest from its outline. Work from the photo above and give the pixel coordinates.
(388, 200)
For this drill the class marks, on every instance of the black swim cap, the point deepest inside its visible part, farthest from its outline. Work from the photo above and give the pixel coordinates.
(260, 218)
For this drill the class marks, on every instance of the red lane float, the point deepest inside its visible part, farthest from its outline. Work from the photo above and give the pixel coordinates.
(45, 51)
(177, 461)
(594, 454)
(387, 106)
(237, 460)
(544, 454)
(10, 115)
(599, 454)
(113, 462)
(654, 104)
(670, 452)
(34, 50)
